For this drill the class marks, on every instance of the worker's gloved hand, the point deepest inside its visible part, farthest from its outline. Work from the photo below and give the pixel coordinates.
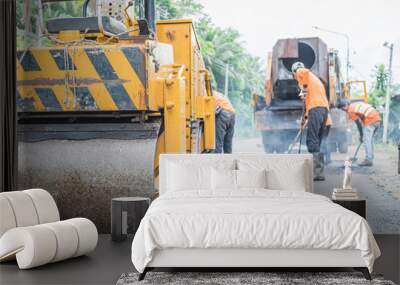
(304, 121)
(302, 95)
(361, 139)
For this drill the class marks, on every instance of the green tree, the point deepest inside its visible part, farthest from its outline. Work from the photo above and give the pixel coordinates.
(178, 9)
(221, 47)
(377, 97)
(377, 93)
(27, 22)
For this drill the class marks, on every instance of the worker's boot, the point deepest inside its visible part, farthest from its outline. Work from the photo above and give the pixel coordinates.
(366, 163)
(318, 166)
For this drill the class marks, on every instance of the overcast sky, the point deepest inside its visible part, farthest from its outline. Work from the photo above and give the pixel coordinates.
(369, 23)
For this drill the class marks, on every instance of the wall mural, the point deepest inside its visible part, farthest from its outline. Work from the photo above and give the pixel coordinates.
(379, 184)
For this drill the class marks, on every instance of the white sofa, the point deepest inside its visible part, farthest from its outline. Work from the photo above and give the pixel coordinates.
(31, 230)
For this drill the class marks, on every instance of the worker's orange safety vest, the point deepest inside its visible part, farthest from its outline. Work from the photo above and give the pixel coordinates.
(316, 96)
(365, 112)
(223, 102)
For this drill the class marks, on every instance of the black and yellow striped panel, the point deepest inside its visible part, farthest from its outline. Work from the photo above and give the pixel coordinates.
(82, 78)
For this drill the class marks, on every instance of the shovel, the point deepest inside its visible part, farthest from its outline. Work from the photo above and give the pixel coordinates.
(298, 136)
(355, 158)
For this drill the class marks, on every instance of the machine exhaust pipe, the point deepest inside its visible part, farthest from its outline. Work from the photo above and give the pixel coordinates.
(150, 14)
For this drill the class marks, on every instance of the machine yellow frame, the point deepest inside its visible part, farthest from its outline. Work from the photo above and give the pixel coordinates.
(147, 77)
(364, 96)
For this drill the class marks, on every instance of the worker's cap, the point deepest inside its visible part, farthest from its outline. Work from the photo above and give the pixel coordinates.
(343, 103)
(296, 66)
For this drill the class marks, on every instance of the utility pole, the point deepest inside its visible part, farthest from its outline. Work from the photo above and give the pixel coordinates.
(388, 95)
(348, 57)
(39, 22)
(226, 80)
(27, 18)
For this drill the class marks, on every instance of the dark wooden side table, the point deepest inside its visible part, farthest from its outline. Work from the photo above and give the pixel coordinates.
(121, 208)
(357, 206)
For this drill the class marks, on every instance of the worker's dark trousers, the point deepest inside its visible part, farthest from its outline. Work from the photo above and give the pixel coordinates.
(224, 130)
(324, 145)
(316, 128)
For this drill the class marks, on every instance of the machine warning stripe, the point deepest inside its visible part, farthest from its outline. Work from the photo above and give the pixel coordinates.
(120, 96)
(28, 61)
(49, 99)
(59, 57)
(136, 59)
(85, 98)
(25, 104)
(106, 72)
(101, 63)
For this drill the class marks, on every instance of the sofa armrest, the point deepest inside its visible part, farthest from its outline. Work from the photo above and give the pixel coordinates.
(41, 244)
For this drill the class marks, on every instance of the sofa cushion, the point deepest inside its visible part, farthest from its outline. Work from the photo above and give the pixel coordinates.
(87, 235)
(23, 208)
(32, 246)
(67, 240)
(27, 208)
(45, 205)
(41, 244)
(7, 220)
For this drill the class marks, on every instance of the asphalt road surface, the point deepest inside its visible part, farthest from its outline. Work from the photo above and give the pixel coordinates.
(379, 185)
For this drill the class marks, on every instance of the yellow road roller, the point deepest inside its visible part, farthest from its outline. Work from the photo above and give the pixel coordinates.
(111, 91)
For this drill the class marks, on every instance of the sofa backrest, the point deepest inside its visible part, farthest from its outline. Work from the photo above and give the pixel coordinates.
(26, 208)
(287, 171)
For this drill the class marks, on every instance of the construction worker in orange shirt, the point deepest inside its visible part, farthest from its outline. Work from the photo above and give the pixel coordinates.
(315, 115)
(224, 123)
(368, 120)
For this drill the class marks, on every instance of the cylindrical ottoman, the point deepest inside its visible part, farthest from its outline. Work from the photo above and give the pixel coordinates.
(121, 208)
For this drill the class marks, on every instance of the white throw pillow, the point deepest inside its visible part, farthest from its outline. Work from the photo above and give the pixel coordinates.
(288, 180)
(223, 179)
(285, 174)
(251, 179)
(185, 178)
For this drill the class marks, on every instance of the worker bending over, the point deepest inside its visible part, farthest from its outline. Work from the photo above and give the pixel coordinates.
(315, 115)
(224, 123)
(368, 121)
